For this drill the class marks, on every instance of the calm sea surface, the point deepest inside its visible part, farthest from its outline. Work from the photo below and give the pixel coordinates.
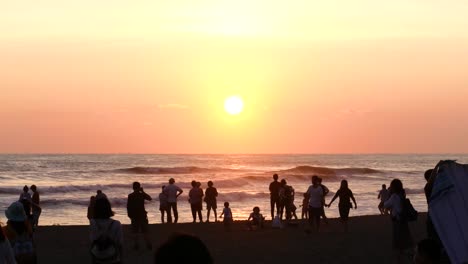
(66, 182)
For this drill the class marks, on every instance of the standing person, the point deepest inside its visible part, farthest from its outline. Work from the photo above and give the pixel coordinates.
(172, 191)
(210, 198)
(315, 194)
(344, 205)
(163, 203)
(100, 195)
(227, 214)
(6, 252)
(274, 195)
(138, 215)
(92, 202)
(105, 234)
(305, 207)
(286, 199)
(325, 192)
(402, 239)
(36, 208)
(19, 232)
(26, 201)
(196, 201)
(383, 196)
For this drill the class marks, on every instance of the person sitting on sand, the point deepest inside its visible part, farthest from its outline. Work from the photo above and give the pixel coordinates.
(92, 202)
(255, 219)
(36, 208)
(274, 195)
(402, 239)
(344, 205)
(210, 198)
(383, 196)
(138, 215)
(7, 256)
(183, 248)
(19, 232)
(105, 234)
(315, 194)
(227, 214)
(196, 201)
(172, 191)
(163, 203)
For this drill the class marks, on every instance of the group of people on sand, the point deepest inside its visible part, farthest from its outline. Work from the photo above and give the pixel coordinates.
(17, 237)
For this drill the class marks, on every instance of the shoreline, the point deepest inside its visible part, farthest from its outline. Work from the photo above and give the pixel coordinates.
(367, 241)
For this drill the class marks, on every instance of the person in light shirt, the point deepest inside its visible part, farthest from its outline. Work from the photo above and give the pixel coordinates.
(172, 191)
(315, 194)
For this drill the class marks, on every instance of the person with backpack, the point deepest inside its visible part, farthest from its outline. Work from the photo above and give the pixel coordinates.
(6, 252)
(346, 195)
(106, 235)
(402, 239)
(138, 215)
(19, 233)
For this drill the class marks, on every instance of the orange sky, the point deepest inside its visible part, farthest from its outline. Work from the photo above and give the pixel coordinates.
(151, 77)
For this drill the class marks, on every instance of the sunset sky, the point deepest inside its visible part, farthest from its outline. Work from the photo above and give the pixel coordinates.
(315, 76)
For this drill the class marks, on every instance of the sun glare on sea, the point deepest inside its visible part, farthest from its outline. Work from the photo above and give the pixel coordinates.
(234, 105)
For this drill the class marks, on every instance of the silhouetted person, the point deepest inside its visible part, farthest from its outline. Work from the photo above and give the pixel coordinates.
(255, 219)
(36, 208)
(26, 201)
(163, 207)
(227, 214)
(402, 239)
(345, 195)
(210, 198)
(427, 252)
(274, 196)
(286, 199)
(305, 207)
(196, 201)
(7, 255)
(19, 232)
(92, 202)
(182, 248)
(315, 194)
(105, 234)
(138, 215)
(172, 191)
(383, 196)
(100, 195)
(325, 192)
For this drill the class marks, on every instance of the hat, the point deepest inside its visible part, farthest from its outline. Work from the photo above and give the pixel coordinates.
(15, 212)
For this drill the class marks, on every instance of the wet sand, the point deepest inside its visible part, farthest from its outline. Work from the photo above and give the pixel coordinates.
(367, 241)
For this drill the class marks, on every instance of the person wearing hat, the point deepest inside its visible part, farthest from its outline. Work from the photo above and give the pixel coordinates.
(19, 232)
(172, 191)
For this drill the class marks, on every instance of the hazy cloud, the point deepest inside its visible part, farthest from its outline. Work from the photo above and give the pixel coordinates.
(173, 106)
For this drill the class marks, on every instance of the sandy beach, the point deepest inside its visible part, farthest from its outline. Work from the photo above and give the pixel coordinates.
(368, 241)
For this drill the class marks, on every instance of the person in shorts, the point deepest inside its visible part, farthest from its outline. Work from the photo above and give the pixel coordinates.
(138, 215)
(210, 198)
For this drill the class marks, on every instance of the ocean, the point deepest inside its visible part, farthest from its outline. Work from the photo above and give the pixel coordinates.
(66, 182)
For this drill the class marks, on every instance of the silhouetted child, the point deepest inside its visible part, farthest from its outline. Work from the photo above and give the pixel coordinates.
(255, 219)
(293, 211)
(305, 207)
(227, 216)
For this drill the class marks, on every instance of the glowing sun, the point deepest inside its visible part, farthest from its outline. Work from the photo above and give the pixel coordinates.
(234, 105)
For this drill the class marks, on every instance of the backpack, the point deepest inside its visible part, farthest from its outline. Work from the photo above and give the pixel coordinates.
(408, 212)
(23, 248)
(104, 249)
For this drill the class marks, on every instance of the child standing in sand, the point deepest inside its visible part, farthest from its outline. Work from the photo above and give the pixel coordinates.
(255, 219)
(305, 207)
(227, 216)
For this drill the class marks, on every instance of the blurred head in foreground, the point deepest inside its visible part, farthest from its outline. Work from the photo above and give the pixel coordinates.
(192, 248)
